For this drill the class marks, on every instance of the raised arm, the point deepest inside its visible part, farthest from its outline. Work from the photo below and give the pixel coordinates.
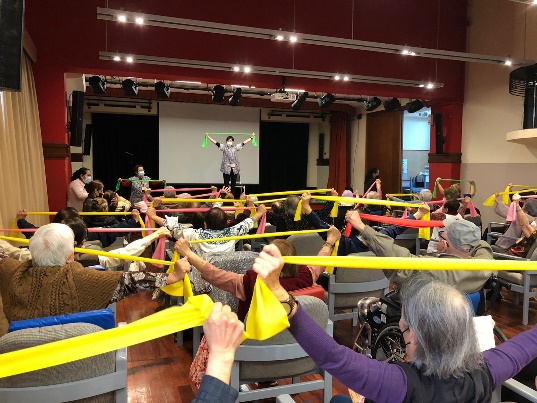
(439, 186)
(472, 188)
(210, 138)
(521, 218)
(248, 139)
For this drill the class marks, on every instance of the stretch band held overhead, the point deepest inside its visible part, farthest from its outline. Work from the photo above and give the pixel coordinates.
(191, 200)
(179, 189)
(291, 192)
(402, 222)
(450, 180)
(89, 229)
(490, 201)
(118, 184)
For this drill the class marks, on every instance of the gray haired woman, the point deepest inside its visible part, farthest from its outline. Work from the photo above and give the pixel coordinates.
(444, 364)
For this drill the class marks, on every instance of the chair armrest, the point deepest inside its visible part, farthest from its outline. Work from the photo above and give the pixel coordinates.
(504, 256)
(521, 389)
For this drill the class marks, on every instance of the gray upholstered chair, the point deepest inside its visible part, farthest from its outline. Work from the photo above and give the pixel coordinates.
(98, 379)
(281, 357)
(409, 239)
(306, 244)
(348, 286)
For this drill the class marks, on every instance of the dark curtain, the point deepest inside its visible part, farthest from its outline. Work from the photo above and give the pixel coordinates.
(119, 143)
(337, 170)
(283, 156)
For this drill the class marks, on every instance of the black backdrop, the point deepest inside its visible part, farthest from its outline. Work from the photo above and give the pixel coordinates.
(119, 143)
(283, 156)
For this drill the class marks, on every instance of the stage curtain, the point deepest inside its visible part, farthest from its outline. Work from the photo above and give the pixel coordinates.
(337, 170)
(22, 165)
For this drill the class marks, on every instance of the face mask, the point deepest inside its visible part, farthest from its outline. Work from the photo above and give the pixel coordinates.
(141, 173)
(230, 143)
(87, 179)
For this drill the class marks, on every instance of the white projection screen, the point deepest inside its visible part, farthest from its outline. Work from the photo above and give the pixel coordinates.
(182, 128)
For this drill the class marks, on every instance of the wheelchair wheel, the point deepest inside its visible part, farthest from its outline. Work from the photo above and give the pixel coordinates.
(389, 345)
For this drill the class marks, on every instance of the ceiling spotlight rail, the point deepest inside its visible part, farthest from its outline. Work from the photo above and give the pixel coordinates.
(293, 37)
(275, 71)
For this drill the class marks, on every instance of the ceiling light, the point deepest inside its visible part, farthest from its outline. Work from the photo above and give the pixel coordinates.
(372, 104)
(129, 59)
(299, 101)
(247, 69)
(139, 20)
(240, 86)
(414, 106)
(336, 77)
(430, 86)
(235, 97)
(188, 82)
(391, 104)
(218, 92)
(130, 88)
(122, 18)
(509, 62)
(421, 85)
(279, 37)
(98, 85)
(162, 90)
(294, 90)
(408, 52)
(236, 68)
(326, 100)
(346, 78)
(293, 38)
(117, 58)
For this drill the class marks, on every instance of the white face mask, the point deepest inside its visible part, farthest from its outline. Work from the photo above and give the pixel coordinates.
(230, 143)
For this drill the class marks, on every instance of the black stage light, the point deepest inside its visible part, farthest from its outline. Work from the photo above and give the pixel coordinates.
(391, 104)
(235, 97)
(372, 104)
(98, 85)
(130, 88)
(299, 101)
(326, 100)
(414, 106)
(218, 92)
(162, 90)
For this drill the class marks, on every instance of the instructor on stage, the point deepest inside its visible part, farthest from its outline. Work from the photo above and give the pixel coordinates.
(230, 166)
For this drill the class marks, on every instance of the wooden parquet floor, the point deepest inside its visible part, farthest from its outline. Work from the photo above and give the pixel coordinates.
(158, 369)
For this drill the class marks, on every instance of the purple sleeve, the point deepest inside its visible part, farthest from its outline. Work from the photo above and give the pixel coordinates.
(508, 359)
(378, 381)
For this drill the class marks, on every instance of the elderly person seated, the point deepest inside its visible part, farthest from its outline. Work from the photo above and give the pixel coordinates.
(444, 363)
(461, 240)
(529, 231)
(425, 195)
(52, 283)
(215, 227)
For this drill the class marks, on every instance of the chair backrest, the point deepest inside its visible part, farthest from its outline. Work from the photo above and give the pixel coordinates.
(101, 367)
(306, 244)
(409, 239)
(267, 363)
(235, 262)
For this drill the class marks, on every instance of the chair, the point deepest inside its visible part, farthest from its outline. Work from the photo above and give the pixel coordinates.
(521, 282)
(347, 286)
(281, 357)
(476, 220)
(259, 243)
(98, 379)
(306, 244)
(409, 239)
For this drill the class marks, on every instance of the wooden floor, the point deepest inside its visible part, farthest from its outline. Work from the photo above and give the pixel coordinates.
(158, 369)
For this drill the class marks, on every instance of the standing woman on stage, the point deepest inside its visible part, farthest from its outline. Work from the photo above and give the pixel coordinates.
(138, 188)
(230, 166)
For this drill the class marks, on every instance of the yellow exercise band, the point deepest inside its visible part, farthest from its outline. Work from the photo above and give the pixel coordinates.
(490, 201)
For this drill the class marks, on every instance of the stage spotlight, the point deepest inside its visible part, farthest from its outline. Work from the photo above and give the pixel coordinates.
(299, 101)
(372, 104)
(98, 85)
(162, 90)
(326, 100)
(391, 104)
(218, 92)
(130, 88)
(414, 106)
(234, 99)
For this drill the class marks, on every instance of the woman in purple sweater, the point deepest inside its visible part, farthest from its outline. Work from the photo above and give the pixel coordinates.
(444, 364)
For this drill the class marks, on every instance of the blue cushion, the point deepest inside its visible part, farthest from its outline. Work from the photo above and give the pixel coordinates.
(474, 299)
(103, 318)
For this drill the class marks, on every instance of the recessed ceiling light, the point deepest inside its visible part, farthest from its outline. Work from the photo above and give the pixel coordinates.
(293, 90)
(247, 69)
(188, 82)
(421, 85)
(117, 58)
(293, 38)
(139, 20)
(336, 77)
(129, 59)
(509, 62)
(240, 86)
(122, 18)
(279, 37)
(430, 85)
(408, 52)
(236, 68)
(346, 78)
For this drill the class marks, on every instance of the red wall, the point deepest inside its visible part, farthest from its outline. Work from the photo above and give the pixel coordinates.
(68, 37)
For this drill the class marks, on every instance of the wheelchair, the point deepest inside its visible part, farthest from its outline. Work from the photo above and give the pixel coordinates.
(379, 336)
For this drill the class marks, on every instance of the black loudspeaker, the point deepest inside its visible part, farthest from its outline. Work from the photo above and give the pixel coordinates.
(77, 112)
(321, 146)
(530, 104)
(87, 140)
(11, 28)
(439, 133)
